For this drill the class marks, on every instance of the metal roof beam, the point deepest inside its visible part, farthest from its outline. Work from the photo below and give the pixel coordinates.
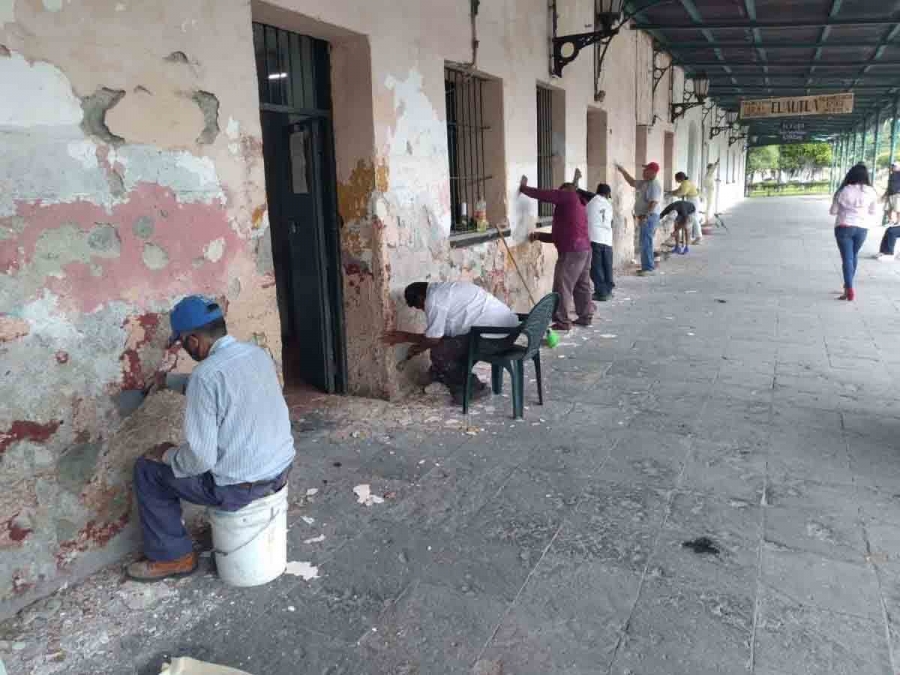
(697, 18)
(786, 64)
(745, 44)
(749, 25)
(823, 37)
(879, 50)
(750, 6)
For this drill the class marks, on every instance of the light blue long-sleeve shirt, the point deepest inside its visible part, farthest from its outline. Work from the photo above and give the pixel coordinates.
(236, 422)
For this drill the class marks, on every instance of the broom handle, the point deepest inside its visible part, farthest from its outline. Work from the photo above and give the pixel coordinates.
(515, 264)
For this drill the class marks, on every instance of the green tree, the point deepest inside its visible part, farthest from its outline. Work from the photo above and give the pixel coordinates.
(761, 159)
(804, 157)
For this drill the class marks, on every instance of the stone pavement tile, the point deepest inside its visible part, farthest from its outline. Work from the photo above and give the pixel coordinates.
(615, 524)
(472, 565)
(448, 498)
(826, 584)
(793, 416)
(646, 457)
(361, 580)
(680, 369)
(790, 464)
(573, 453)
(733, 566)
(878, 506)
(568, 619)
(431, 629)
(686, 629)
(615, 391)
(734, 471)
(805, 640)
(874, 462)
(824, 532)
(812, 495)
(271, 641)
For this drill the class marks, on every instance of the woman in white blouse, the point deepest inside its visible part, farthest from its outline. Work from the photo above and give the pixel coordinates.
(854, 208)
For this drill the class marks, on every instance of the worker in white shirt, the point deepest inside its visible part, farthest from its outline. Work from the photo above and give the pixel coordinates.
(451, 309)
(600, 214)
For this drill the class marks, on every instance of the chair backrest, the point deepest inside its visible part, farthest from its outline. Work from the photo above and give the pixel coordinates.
(538, 321)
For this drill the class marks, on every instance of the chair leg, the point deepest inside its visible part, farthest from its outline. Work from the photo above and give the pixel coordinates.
(519, 390)
(537, 376)
(466, 391)
(497, 378)
(511, 367)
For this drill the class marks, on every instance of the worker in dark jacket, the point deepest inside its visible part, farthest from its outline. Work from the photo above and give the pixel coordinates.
(572, 275)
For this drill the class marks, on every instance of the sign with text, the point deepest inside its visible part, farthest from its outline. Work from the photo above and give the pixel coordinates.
(793, 131)
(798, 106)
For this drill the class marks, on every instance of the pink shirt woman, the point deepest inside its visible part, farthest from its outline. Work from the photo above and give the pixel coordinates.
(854, 208)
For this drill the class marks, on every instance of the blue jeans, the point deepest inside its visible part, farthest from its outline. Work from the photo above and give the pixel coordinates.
(159, 494)
(648, 229)
(849, 241)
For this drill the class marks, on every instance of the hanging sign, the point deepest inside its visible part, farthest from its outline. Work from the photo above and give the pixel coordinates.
(793, 131)
(798, 106)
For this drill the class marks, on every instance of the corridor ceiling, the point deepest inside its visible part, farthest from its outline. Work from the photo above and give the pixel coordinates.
(753, 49)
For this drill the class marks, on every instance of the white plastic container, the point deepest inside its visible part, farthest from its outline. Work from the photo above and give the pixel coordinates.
(250, 544)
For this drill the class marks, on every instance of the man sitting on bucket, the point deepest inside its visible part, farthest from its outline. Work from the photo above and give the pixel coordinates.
(238, 444)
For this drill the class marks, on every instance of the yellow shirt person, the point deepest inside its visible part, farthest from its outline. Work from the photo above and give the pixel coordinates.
(686, 189)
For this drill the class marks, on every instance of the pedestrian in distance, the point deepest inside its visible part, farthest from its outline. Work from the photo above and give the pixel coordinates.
(855, 208)
(892, 209)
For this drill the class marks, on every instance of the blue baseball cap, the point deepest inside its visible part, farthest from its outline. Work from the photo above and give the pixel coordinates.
(194, 311)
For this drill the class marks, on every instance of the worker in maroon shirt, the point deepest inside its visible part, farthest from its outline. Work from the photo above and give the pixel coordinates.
(572, 275)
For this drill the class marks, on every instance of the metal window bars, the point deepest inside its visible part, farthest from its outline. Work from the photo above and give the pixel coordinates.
(285, 66)
(545, 146)
(466, 129)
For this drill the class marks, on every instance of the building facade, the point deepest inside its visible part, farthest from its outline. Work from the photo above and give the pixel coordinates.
(299, 160)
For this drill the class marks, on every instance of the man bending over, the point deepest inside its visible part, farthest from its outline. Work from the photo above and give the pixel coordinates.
(451, 309)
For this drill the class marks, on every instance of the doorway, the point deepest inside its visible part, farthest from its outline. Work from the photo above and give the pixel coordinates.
(298, 149)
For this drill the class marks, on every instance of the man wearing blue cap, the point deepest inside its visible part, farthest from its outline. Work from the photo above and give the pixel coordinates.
(238, 444)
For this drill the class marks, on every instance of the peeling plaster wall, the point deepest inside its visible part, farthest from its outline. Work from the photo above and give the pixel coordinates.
(133, 174)
(129, 179)
(393, 175)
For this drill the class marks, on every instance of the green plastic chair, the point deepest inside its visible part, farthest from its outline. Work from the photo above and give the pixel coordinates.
(505, 354)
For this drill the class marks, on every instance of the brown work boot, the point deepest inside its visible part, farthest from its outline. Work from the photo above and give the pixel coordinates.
(157, 570)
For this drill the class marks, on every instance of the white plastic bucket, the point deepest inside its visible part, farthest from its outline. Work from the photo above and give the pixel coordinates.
(250, 544)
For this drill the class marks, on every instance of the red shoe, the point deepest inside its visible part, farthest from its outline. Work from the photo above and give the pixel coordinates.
(851, 294)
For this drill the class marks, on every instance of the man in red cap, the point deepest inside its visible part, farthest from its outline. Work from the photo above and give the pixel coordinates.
(647, 206)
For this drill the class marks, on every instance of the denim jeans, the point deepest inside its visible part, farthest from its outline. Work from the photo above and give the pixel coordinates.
(849, 241)
(890, 237)
(159, 494)
(602, 269)
(648, 229)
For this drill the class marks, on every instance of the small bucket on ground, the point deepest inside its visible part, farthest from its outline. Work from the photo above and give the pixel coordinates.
(250, 544)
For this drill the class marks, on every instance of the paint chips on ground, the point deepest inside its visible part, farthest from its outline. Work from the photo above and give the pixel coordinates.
(608, 336)
(312, 492)
(304, 570)
(307, 520)
(364, 495)
(315, 540)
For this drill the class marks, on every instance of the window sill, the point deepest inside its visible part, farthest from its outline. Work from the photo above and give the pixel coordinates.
(472, 238)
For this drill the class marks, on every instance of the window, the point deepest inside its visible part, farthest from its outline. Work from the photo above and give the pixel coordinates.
(545, 146)
(466, 145)
(285, 63)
